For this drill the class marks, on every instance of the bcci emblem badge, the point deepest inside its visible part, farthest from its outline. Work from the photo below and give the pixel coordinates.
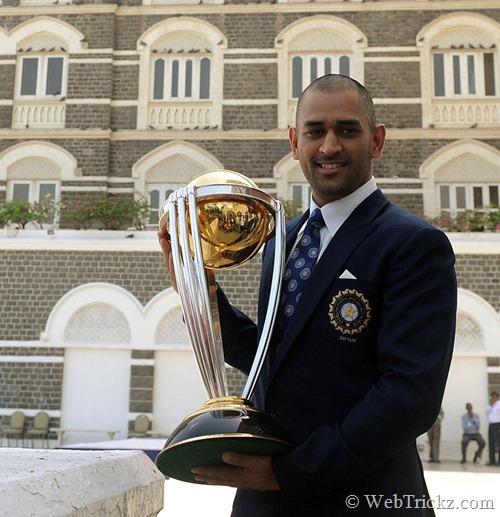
(349, 312)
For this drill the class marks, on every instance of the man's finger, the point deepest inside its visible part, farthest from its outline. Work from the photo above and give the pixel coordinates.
(242, 460)
(164, 240)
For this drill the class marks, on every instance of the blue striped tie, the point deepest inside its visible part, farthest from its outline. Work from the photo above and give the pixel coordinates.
(299, 266)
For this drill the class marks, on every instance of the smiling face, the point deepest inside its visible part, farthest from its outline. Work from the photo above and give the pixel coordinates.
(335, 143)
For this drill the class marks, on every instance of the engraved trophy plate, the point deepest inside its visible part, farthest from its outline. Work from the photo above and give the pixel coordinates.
(220, 220)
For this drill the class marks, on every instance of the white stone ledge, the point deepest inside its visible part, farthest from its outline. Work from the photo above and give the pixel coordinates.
(55, 483)
(464, 243)
(80, 240)
(475, 243)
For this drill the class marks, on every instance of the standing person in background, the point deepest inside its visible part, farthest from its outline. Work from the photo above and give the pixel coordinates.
(493, 411)
(434, 435)
(470, 425)
(360, 358)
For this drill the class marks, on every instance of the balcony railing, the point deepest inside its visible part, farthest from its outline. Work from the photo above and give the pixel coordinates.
(38, 114)
(165, 2)
(465, 112)
(181, 115)
(45, 2)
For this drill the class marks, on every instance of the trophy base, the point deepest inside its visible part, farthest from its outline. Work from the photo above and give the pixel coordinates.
(223, 424)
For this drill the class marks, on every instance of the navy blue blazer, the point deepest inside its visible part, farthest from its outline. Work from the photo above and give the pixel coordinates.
(361, 369)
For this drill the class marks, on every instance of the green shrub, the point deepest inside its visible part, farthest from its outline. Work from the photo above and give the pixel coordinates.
(487, 220)
(292, 208)
(20, 213)
(110, 213)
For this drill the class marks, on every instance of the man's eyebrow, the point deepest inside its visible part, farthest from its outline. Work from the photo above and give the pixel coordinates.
(344, 122)
(313, 123)
(349, 122)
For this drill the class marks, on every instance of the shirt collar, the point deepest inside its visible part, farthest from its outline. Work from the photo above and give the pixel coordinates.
(336, 212)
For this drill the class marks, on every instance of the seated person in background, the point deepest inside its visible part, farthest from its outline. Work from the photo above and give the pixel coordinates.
(470, 424)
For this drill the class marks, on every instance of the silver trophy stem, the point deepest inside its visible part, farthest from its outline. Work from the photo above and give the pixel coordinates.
(272, 308)
(197, 288)
(211, 320)
(180, 270)
(194, 294)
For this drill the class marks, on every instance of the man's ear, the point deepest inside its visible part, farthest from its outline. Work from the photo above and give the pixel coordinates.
(292, 136)
(378, 141)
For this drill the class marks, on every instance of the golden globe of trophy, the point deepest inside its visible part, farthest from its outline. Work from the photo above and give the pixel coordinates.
(219, 221)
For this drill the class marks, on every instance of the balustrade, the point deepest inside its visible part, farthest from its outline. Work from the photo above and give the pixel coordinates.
(465, 113)
(38, 114)
(181, 116)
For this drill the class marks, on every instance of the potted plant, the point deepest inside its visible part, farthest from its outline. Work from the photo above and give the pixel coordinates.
(109, 213)
(487, 220)
(15, 214)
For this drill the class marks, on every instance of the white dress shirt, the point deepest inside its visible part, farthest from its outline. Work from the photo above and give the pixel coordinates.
(494, 413)
(336, 213)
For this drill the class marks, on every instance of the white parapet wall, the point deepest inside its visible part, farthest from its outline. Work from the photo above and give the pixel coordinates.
(55, 483)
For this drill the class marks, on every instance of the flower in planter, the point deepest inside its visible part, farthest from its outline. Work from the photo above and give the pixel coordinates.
(115, 213)
(79, 216)
(109, 213)
(21, 213)
(484, 220)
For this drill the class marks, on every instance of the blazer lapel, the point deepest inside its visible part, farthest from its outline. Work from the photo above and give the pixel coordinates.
(292, 229)
(354, 230)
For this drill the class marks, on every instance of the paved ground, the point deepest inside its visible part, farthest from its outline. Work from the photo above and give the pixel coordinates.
(464, 489)
(456, 489)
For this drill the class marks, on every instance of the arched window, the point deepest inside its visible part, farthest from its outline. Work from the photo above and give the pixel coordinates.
(180, 61)
(469, 336)
(165, 177)
(43, 46)
(182, 78)
(34, 171)
(306, 68)
(462, 176)
(168, 168)
(172, 329)
(291, 184)
(31, 179)
(313, 47)
(460, 70)
(99, 322)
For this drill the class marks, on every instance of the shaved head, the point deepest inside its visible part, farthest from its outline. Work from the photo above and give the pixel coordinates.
(335, 83)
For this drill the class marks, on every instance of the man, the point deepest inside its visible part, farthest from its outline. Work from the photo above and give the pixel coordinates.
(470, 425)
(493, 411)
(360, 368)
(434, 435)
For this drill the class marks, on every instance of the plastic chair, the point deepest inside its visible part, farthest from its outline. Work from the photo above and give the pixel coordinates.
(141, 426)
(40, 429)
(15, 429)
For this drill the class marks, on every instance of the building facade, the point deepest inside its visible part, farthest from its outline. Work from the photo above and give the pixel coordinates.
(133, 98)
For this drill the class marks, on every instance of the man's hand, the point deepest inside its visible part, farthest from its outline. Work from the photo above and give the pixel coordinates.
(164, 239)
(243, 471)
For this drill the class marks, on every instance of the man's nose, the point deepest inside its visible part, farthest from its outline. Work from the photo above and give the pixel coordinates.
(330, 144)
